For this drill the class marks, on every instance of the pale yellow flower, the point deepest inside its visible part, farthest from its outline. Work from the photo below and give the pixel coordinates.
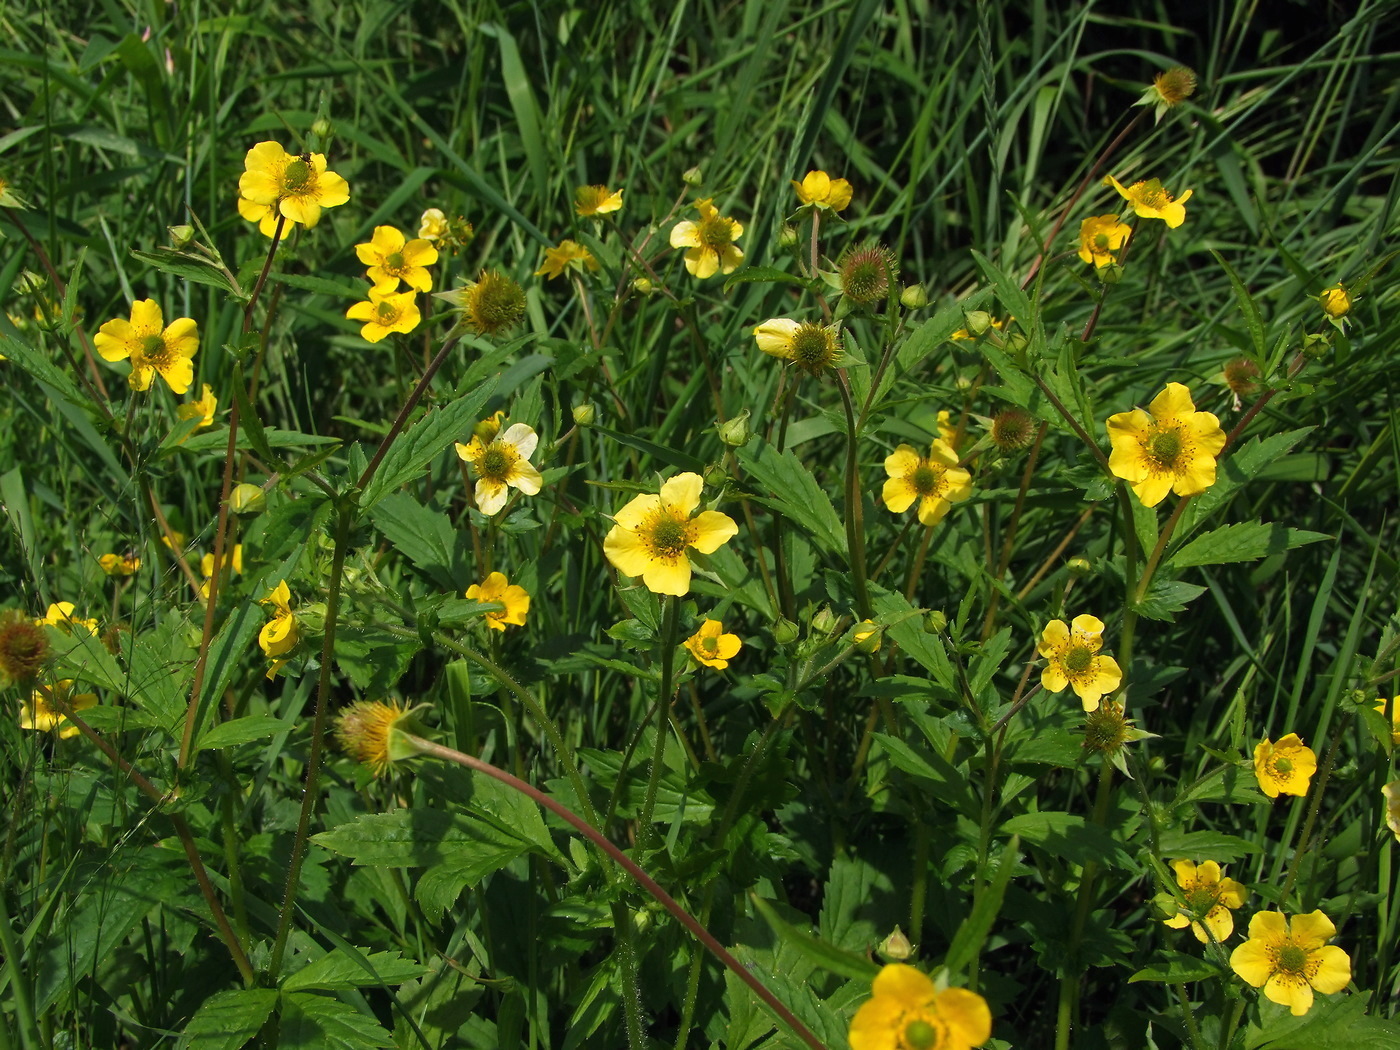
(279, 635)
(1073, 658)
(501, 461)
(820, 189)
(935, 480)
(1171, 450)
(385, 312)
(907, 1011)
(1284, 768)
(391, 258)
(1291, 961)
(202, 409)
(569, 255)
(42, 713)
(1206, 899)
(709, 242)
(1151, 201)
(497, 588)
(596, 200)
(711, 646)
(151, 346)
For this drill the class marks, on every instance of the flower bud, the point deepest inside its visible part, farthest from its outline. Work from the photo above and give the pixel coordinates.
(935, 622)
(913, 297)
(1316, 346)
(978, 321)
(716, 476)
(824, 622)
(247, 499)
(1110, 274)
(895, 947)
(787, 236)
(1164, 906)
(784, 631)
(585, 414)
(1336, 303)
(735, 432)
(321, 128)
(1079, 566)
(643, 285)
(180, 236)
(692, 176)
(866, 636)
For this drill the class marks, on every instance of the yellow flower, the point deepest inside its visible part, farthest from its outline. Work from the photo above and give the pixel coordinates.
(935, 480)
(947, 429)
(1290, 963)
(811, 347)
(1284, 768)
(119, 564)
(1099, 237)
(206, 566)
(820, 189)
(866, 636)
(712, 647)
(653, 533)
(1394, 718)
(1206, 900)
(1391, 792)
(279, 635)
(496, 588)
(907, 1011)
(149, 348)
(392, 259)
(432, 224)
(499, 462)
(202, 409)
(1171, 450)
(277, 182)
(568, 256)
(709, 242)
(371, 731)
(42, 712)
(1073, 659)
(1336, 303)
(597, 200)
(385, 312)
(60, 615)
(1151, 201)
(491, 304)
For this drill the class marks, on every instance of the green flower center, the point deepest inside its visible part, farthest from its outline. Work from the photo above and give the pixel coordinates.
(394, 262)
(153, 351)
(1283, 766)
(925, 478)
(1164, 446)
(669, 537)
(388, 313)
(495, 463)
(1292, 959)
(716, 232)
(297, 177)
(1079, 659)
(710, 644)
(1201, 899)
(811, 347)
(1102, 242)
(920, 1035)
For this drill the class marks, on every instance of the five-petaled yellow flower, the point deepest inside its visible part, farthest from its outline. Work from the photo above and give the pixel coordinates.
(151, 346)
(809, 346)
(60, 615)
(1171, 450)
(709, 242)
(907, 1011)
(500, 461)
(279, 635)
(654, 533)
(275, 182)
(386, 312)
(570, 255)
(1291, 961)
(1206, 900)
(935, 480)
(496, 588)
(712, 647)
(119, 564)
(202, 408)
(1073, 659)
(597, 200)
(391, 259)
(42, 712)
(820, 189)
(1099, 237)
(1151, 201)
(1284, 768)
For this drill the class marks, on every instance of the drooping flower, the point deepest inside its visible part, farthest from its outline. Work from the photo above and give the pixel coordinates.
(1073, 659)
(386, 312)
(1284, 768)
(501, 461)
(275, 182)
(1292, 960)
(569, 255)
(119, 564)
(1171, 450)
(709, 242)
(42, 710)
(1391, 794)
(935, 480)
(712, 647)
(812, 347)
(373, 732)
(1206, 899)
(202, 408)
(496, 588)
(1099, 237)
(391, 258)
(596, 200)
(821, 190)
(60, 615)
(907, 1011)
(653, 534)
(279, 635)
(1151, 201)
(150, 346)
(491, 305)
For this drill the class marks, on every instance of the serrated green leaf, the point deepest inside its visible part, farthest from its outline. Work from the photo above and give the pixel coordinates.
(415, 838)
(190, 268)
(1165, 597)
(243, 730)
(795, 493)
(1243, 541)
(1177, 968)
(1206, 845)
(217, 440)
(317, 1022)
(227, 1020)
(1068, 836)
(339, 970)
(426, 536)
(814, 949)
(373, 658)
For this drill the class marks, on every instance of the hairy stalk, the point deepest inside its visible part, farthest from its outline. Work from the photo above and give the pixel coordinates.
(855, 506)
(670, 638)
(625, 862)
(1009, 542)
(1069, 984)
(408, 406)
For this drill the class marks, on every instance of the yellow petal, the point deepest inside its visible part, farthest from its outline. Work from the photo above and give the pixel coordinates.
(904, 984)
(774, 336)
(490, 495)
(1054, 638)
(637, 510)
(668, 575)
(712, 531)
(1087, 625)
(1151, 491)
(685, 234)
(702, 262)
(681, 493)
(1312, 930)
(625, 550)
(1252, 961)
(932, 509)
(1173, 402)
(1335, 972)
(898, 494)
(967, 1015)
(1290, 991)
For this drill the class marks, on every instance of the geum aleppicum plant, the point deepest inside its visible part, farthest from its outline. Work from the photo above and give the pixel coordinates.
(1171, 450)
(294, 187)
(152, 347)
(653, 535)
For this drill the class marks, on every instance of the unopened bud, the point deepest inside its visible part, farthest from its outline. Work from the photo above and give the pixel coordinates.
(978, 321)
(246, 499)
(1335, 302)
(585, 414)
(643, 285)
(716, 476)
(1315, 345)
(895, 947)
(312, 618)
(866, 636)
(913, 297)
(787, 236)
(321, 128)
(180, 236)
(735, 432)
(935, 622)
(692, 176)
(824, 622)
(1079, 566)
(1110, 274)
(1164, 906)
(784, 631)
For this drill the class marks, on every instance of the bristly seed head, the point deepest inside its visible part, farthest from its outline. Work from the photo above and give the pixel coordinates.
(867, 273)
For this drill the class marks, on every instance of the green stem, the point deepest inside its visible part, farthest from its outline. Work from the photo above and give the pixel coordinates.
(1324, 773)
(669, 640)
(407, 409)
(19, 989)
(1069, 984)
(855, 506)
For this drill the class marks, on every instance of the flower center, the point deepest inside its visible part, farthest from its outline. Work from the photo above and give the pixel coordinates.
(1292, 959)
(710, 645)
(919, 1035)
(1201, 899)
(1164, 446)
(1079, 659)
(388, 314)
(1154, 197)
(716, 232)
(810, 348)
(495, 463)
(1283, 766)
(297, 177)
(669, 537)
(394, 262)
(154, 351)
(925, 478)
(1101, 242)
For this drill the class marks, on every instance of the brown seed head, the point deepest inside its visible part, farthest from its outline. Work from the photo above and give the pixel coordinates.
(23, 646)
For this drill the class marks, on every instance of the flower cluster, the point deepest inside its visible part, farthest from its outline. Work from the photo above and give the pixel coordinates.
(392, 259)
(278, 187)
